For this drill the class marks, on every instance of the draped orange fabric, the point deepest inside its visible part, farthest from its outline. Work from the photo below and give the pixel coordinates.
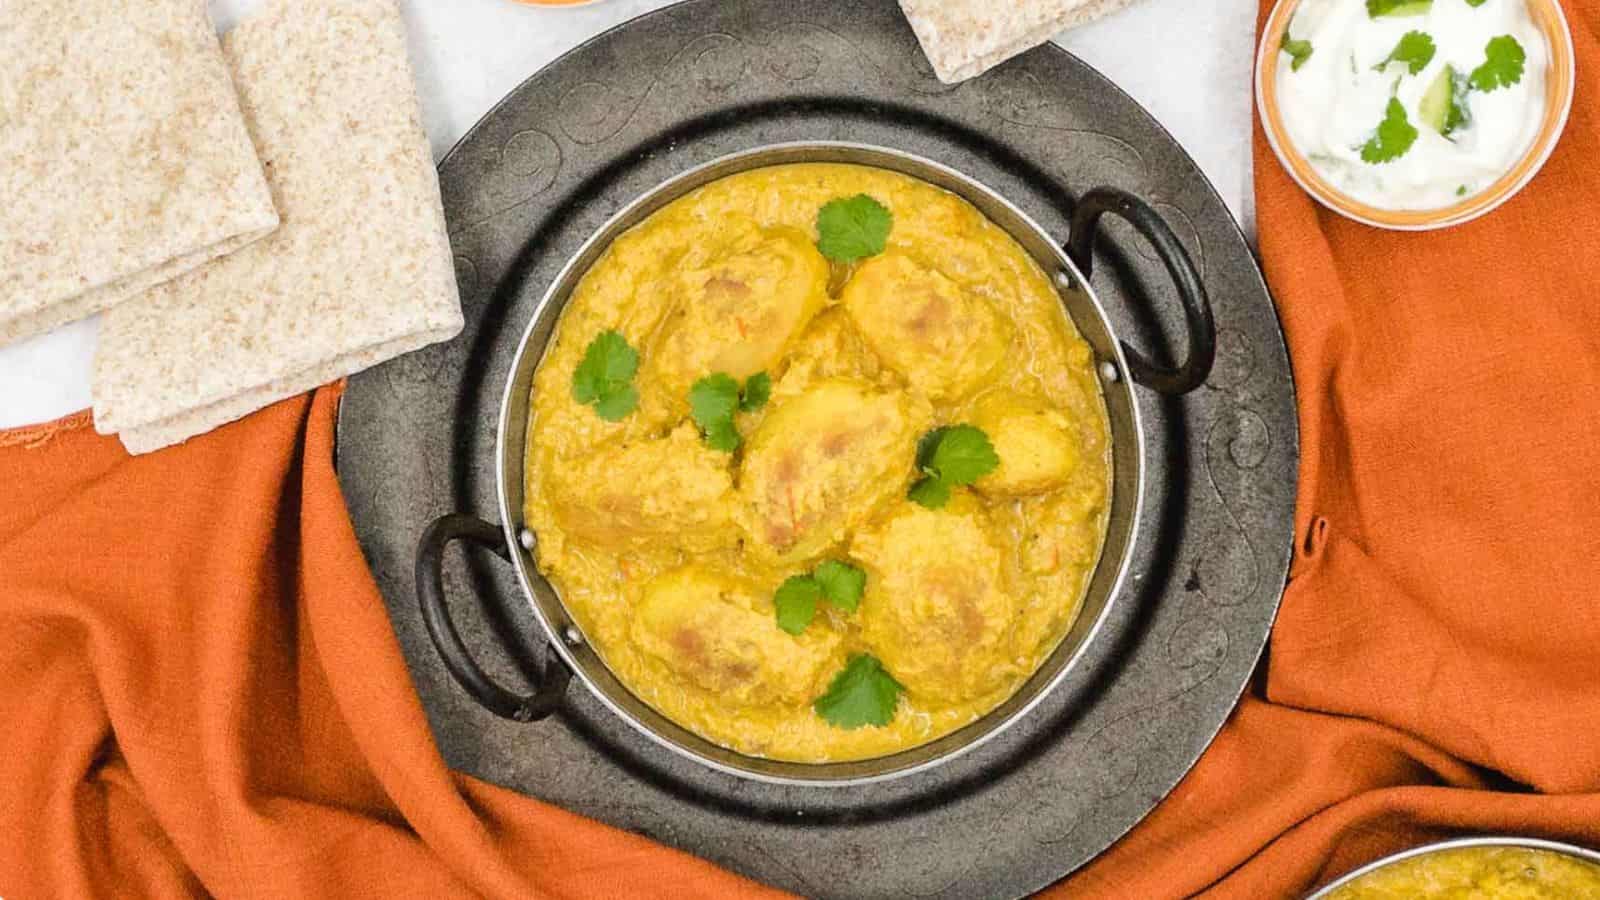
(200, 691)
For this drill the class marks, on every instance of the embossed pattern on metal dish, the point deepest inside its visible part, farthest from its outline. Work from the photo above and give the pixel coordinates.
(706, 78)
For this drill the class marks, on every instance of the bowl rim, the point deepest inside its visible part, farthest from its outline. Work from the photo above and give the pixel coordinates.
(1560, 89)
(529, 357)
(1490, 840)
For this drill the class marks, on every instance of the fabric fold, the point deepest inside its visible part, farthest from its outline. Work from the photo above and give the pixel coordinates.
(203, 695)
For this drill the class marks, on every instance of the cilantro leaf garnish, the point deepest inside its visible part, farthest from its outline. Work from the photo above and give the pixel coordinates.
(757, 390)
(1502, 66)
(962, 454)
(712, 403)
(1299, 52)
(1476, 3)
(1394, 137)
(853, 228)
(951, 457)
(1379, 8)
(715, 398)
(604, 379)
(796, 601)
(930, 492)
(863, 693)
(722, 435)
(841, 583)
(1416, 50)
(614, 407)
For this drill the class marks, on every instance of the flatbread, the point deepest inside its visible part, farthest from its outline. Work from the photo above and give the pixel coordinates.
(361, 270)
(964, 38)
(124, 160)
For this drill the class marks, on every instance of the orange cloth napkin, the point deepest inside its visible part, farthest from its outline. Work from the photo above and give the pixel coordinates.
(201, 693)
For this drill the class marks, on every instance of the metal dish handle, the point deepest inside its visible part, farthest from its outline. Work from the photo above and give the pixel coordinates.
(457, 658)
(1196, 366)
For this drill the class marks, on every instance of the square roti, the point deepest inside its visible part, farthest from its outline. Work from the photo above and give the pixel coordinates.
(361, 270)
(124, 159)
(965, 38)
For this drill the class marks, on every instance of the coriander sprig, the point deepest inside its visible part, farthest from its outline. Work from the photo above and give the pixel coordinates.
(1394, 137)
(1386, 8)
(1503, 64)
(714, 399)
(951, 457)
(1415, 49)
(863, 693)
(796, 602)
(841, 584)
(853, 228)
(755, 393)
(604, 379)
(1299, 51)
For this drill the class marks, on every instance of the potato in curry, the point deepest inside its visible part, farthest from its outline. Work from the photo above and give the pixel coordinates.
(818, 462)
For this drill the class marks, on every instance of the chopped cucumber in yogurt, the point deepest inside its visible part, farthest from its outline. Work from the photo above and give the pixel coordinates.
(1443, 107)
(1406, 102)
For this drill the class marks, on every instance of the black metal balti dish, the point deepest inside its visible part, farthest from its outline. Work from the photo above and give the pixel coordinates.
(532, 191)
(1069, 263)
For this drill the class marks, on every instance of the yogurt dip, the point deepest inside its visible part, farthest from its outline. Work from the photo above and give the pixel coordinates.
(1412, 104)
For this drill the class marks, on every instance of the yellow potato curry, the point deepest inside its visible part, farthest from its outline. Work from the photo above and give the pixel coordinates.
(818, 462)
(1481, 873)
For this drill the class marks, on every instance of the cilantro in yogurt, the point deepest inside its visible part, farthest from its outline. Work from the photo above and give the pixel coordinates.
(1406, 102)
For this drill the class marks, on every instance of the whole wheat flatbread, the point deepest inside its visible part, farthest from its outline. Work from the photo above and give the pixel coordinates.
(123, 157)
(964, 38)
(360, 271)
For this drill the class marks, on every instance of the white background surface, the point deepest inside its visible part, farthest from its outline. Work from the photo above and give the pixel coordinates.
(1188, 62)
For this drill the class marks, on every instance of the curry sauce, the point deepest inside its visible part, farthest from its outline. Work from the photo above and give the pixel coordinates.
(668, 552)
(1501, 873)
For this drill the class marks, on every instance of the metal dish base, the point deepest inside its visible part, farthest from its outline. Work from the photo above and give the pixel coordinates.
(695, 81)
